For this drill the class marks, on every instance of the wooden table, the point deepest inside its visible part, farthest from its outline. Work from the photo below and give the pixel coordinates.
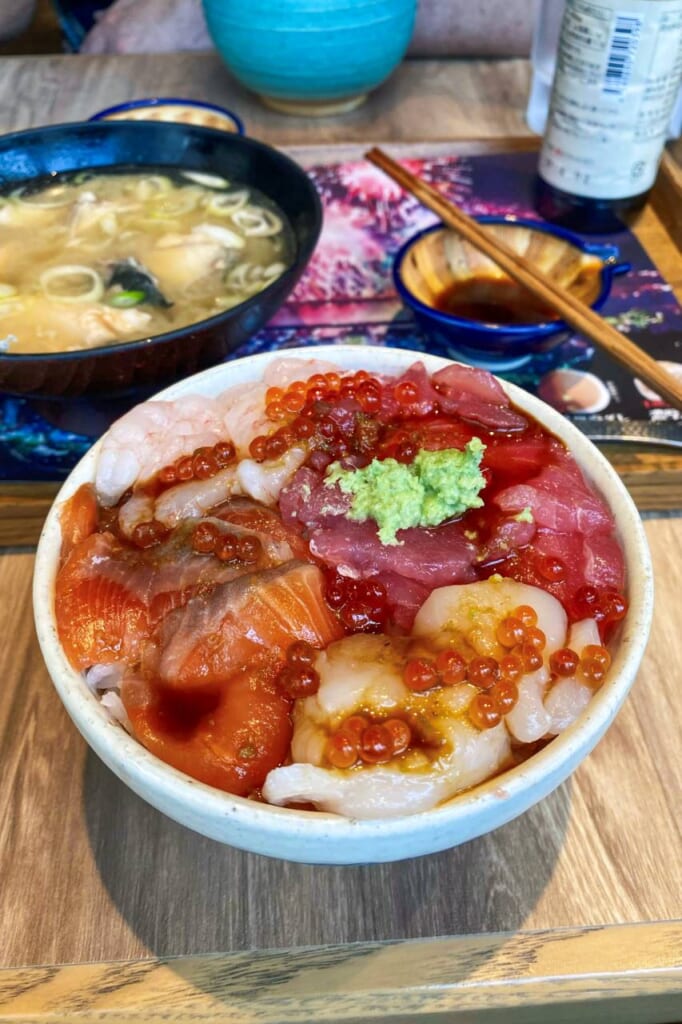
(586, 887)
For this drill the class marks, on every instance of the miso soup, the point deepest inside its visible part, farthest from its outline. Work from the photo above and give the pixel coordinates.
(93, 259)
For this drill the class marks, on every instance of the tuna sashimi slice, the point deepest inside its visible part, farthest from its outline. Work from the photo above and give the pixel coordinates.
(560, 500)
(433, 557)
(596, 560)
(475, 395)
(308, 502)
(471, 381)
(404, 597)
(215, 634)
(604, 565)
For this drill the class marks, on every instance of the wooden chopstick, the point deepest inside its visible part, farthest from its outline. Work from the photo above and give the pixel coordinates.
(576, 313)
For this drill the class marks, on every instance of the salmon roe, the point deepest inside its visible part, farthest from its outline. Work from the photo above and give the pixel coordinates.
(298, 677)
(303, 406)
(510, 632)
(209, 539)
(146, 535)
(511, 668)
(483, 672)
(526, 615)
(564, 662)
(358, 739)
(451, 667)
(361, 605)
(504, 695)
(420, 674)
(551, 569)
(483, 712)
(595, 661)
(203, 463)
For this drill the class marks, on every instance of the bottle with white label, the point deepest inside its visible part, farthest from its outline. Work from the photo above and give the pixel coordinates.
(618, 71)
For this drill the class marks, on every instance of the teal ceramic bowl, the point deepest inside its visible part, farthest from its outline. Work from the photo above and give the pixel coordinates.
(311, 56)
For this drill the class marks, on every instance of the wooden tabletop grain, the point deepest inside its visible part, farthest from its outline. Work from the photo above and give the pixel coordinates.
(89, 872)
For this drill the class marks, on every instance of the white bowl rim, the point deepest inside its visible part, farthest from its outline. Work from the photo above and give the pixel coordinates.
(129, 758)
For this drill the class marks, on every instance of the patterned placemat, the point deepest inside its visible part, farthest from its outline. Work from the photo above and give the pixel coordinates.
(346, 296)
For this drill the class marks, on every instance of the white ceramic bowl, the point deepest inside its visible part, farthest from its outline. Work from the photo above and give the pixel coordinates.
(316, 837)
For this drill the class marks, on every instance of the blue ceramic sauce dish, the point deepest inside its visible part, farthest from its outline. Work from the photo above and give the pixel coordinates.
(311, 57)
(470, 308)
(176, 110)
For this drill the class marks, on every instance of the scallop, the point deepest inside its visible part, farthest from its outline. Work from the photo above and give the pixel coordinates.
(471, 613)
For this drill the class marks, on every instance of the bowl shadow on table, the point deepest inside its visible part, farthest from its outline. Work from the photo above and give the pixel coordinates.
(181, 893)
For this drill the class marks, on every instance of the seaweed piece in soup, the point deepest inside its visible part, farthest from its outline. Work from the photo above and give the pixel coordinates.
(136, 280)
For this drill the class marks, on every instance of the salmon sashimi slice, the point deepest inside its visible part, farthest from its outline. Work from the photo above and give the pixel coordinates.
(229, 738)
(100, 618)
(215, 634)
(265, 523)
(110, 595)
(77, 519)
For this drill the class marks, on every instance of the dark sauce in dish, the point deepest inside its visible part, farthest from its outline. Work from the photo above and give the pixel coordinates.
(491, 300)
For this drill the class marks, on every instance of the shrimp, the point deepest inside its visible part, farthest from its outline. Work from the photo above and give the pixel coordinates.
(193, 498)
(244, 404)
(364, 673)
(263, 481)
(154, 435)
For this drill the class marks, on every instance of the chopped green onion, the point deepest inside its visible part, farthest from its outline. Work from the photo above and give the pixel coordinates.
(123, 300)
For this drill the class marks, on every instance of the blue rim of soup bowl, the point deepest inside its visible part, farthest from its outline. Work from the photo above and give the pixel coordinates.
(531, 332)
(170, 101)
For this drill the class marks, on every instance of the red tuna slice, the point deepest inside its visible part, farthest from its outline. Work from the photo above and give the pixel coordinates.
(433, 433)
(433, 557)
(307, 502)
(604, 566)
(425, 403)
(560, 499)
(404, 597)
(475, 395)
(506, 537)
(521, 457)
(595, 561)
(218, 633)
(526, 565)
(471, 381)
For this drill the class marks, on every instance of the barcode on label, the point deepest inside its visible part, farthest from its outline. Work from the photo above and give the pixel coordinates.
(620, 61)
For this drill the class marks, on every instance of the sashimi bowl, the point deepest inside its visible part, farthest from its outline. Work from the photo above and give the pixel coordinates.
(427, 661)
